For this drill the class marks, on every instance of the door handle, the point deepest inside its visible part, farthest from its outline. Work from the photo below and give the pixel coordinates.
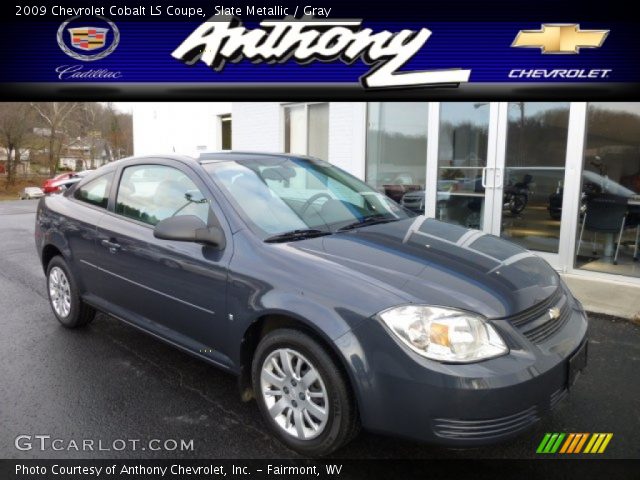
(111, 245)
(484, 177)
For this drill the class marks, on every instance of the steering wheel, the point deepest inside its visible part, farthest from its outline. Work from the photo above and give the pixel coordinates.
(312, 199)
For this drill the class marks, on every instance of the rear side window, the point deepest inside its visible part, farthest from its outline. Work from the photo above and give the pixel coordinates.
(151, 193)
(95, 192)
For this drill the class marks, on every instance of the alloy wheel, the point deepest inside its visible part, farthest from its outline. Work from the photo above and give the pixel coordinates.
(295, 394)
(59, 292)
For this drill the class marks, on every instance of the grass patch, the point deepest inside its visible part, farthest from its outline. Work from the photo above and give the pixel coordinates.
(11, 192)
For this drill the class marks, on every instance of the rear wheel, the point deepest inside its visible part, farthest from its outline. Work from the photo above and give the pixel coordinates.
(64, 298)
(302, 393)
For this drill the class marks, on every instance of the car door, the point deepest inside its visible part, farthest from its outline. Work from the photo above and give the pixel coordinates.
(175, 289)
(83, 213)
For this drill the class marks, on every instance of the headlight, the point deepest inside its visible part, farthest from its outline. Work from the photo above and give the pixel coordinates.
(444, 334)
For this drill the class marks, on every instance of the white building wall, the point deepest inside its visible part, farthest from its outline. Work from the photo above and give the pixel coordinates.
(188, 128)
(184, 128)
(257, 126)
(347, 136)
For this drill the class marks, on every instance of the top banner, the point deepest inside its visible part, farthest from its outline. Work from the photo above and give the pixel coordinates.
(330, 49)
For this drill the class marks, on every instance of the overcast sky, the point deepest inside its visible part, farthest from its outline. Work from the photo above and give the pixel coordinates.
(124, 107)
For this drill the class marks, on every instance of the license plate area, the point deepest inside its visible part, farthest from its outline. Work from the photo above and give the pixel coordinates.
(577, 363)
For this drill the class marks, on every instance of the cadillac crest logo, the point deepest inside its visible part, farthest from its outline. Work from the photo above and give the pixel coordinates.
(100, 38)
(88, 38)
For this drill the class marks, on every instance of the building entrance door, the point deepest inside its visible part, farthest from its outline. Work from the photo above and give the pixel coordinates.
(501, 167)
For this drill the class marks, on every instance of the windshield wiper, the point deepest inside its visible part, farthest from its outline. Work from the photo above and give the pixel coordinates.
(366, 221)
(299, 234)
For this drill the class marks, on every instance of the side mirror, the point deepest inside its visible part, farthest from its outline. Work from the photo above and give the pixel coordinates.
(189, 228)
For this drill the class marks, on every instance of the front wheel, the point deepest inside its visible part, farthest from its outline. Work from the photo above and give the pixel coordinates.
(64, 297)
(517, 204)
(302, 394)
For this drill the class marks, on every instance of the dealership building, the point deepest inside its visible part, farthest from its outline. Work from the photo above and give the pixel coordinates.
(559, 178)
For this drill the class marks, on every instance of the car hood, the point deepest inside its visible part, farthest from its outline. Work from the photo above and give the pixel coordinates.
(435, 263)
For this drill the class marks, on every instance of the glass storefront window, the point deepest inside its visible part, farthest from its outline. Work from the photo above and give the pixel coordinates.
(306, 129)
(397, 151)
(462, 156)
(609, 216)
(534, 174)
(294, 129)
(318, 131)
(225, 132)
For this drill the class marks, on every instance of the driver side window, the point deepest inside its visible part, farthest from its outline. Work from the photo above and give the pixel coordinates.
(151, 193)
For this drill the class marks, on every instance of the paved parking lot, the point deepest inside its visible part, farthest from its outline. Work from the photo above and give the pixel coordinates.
(109, 381)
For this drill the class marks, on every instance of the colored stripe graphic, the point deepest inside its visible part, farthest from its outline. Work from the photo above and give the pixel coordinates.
(550, 443)
(598, 443)
(543, 443)
(581, 443)
(605, 443)
(567, 443)
(556, 445)
(573, 443)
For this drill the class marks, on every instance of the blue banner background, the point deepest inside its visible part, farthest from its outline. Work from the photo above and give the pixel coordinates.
(30, 53)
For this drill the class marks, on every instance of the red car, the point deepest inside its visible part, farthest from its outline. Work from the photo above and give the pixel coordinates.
(50, 185)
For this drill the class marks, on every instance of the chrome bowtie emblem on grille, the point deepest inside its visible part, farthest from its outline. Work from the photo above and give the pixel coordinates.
(554, 313)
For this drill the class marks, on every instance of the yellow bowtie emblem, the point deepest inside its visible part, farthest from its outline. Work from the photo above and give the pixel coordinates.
(560, 39)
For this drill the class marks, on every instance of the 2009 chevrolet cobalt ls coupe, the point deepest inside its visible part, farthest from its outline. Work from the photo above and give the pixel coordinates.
(336, 307)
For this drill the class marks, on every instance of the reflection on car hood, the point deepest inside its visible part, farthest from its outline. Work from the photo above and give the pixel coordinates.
(436, 263)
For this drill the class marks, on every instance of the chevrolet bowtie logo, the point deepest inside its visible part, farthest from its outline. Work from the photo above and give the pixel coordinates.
(562, 39)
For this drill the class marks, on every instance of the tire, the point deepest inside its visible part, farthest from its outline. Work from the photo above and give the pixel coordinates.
(341, 423)
(73, 313)
(472, 220)
(518, 204)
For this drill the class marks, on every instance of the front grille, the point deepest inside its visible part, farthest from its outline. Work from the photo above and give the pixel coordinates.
(536, 323)
(537, 310)
(485, 429)
(541, 330)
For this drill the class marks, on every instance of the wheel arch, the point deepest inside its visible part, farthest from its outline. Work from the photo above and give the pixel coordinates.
(48, 252)
(268, 322)
(54, 243)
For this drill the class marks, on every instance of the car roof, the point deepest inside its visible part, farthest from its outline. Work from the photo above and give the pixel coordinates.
(203, 158)
(141, 158)
(233, 155)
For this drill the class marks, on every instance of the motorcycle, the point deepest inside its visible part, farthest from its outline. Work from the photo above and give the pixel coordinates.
(516, 196)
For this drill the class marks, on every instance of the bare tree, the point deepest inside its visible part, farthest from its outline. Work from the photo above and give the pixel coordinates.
(55, 116)
(91, 116)
(16, 125)
(119, 132)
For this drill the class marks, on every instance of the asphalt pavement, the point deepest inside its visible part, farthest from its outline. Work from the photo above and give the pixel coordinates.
(110, 382)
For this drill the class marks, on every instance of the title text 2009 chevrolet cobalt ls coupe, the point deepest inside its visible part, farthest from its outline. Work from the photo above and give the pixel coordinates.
(336, 307)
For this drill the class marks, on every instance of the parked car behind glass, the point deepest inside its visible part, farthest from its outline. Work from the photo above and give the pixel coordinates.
(335, 307)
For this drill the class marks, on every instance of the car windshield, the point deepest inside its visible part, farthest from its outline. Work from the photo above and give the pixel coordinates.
(280, 195)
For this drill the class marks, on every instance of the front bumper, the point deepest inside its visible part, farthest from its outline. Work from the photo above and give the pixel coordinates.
(403, 394)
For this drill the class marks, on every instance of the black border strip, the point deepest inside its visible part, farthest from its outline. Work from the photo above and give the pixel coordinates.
(312, 91)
